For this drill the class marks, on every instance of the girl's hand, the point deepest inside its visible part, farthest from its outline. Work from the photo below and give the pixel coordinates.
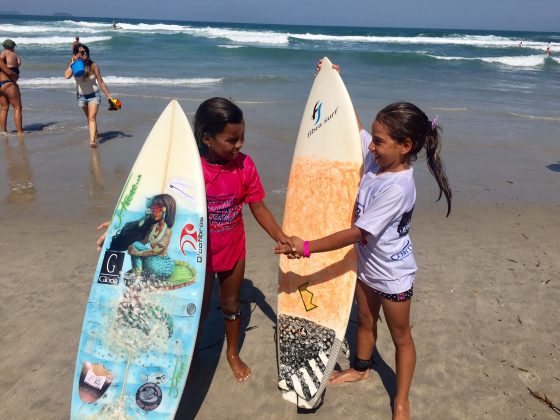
(292, 251)
(320, 64)
(101, 239)
(286, 241)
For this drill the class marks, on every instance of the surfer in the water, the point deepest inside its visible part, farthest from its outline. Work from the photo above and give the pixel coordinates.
(231, 180)
(386, 265)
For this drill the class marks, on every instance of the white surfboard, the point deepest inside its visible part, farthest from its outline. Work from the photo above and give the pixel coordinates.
(143, 311)
(316, 294)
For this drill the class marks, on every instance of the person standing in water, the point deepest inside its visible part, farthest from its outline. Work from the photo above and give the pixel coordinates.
(87, 89)
(9, 95)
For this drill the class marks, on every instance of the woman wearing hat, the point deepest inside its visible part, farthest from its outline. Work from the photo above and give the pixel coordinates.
(9, 56)
(87, 89)
(9, 90)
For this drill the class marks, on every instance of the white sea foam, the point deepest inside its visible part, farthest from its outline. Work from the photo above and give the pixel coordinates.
(58, 40)
(87, 24)
(268, 37)
(56, 82)
(481, 41)
(528, 61)
(534, 117)
(38, 29)
(242, 36)
(523, 61)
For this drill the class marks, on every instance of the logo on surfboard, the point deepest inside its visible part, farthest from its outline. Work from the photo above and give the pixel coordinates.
(192, 239)
(149, 396)
(306, 297)
(111, 267)
(319, 122)
(316, 117)
(189, 239)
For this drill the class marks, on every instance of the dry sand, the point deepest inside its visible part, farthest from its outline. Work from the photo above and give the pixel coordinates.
(485, 312)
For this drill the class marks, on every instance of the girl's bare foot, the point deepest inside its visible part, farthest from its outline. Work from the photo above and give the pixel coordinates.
(348, 375)
(240, 370)
(401, 411)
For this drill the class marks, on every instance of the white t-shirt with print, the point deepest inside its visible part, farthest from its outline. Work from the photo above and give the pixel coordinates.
(384, 210)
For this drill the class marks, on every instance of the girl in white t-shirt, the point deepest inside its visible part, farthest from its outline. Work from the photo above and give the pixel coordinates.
(386, 266)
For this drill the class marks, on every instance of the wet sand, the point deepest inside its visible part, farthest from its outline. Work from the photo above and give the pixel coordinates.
(485, 316)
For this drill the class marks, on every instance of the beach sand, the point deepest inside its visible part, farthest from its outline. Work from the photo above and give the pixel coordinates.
(485, 316)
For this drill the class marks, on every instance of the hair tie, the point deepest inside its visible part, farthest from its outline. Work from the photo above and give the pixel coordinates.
(434, 122)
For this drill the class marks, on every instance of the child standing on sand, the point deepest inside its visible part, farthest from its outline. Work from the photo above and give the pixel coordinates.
(386, 265)
(231, 180)
(9, 56)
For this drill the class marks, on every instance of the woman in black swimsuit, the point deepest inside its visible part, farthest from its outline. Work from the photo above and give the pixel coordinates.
(9, 95)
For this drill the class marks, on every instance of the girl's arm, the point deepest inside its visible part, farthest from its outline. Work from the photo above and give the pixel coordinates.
(267, 221)
(68, 72)
(337, 240)
(101, 82)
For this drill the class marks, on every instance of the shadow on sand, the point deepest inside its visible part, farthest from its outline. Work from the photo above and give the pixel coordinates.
(212, 338)
(554, 167)
(111, 135)
(37, 127)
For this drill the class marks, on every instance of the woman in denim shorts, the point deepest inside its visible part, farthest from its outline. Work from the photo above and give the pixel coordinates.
(87, 89)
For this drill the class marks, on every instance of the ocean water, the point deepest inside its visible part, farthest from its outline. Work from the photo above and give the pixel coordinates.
(498, 103)
(484, 87)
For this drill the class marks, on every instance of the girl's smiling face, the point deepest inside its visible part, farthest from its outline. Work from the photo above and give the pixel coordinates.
(389, 155)
(225, 146)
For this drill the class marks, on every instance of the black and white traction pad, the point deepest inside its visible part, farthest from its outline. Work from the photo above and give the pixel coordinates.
(307, 353)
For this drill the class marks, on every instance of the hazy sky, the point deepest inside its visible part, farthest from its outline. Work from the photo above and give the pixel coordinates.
(536, 15)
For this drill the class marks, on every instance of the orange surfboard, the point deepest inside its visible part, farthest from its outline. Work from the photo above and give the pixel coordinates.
(316, 294)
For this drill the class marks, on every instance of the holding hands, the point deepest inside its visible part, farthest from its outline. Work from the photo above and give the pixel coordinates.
(293, 248)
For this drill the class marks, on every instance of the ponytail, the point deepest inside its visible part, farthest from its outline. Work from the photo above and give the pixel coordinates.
(435, 165)
(406, 121)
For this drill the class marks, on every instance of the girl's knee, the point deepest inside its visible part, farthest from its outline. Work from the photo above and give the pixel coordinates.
(402, 337)
(365, 320)
(230, 305)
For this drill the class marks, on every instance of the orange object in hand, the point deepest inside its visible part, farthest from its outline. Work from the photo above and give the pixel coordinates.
(114, 104)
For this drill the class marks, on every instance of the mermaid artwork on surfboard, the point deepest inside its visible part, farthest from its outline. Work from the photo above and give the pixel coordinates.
(147, 240)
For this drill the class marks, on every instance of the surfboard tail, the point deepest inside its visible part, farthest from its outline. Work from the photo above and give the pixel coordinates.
(308, 354)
